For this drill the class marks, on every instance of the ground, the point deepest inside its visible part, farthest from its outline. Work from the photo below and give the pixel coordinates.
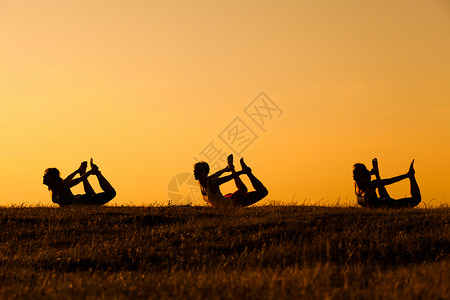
(270, 252)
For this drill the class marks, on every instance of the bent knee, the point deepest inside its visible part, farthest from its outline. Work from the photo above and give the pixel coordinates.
(416, 201)
(112, 193)
(264, 193)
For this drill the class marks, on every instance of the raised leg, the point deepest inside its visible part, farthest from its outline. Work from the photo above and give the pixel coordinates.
(415, 198)
(108, 191)
(415, 191)
(238, 181)
(382, 192)
(104, 184)
(87, 186)
(255, 196)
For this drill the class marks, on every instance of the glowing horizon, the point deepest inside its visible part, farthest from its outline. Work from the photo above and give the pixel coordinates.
(143, 87)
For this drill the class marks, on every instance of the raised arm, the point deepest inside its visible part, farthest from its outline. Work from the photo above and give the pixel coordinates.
(76, 181)
(71, 176)
(224, 179)
(380, 182)
(79, 171)
(218, 173)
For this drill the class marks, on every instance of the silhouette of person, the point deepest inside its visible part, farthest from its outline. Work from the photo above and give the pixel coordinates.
(60, 188)
(365, 188)
(210, 185)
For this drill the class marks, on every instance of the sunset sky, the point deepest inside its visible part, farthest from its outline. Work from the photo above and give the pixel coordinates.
(144, 87)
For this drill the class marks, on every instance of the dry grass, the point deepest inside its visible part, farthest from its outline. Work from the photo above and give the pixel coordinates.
(197, 252)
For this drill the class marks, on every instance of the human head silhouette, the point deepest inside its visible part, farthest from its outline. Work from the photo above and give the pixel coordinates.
(52, 175)
(360, 172)
(201, 170)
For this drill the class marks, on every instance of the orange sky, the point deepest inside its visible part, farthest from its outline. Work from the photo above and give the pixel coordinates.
(144, 87)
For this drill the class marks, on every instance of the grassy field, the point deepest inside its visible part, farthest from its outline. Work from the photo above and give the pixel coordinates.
(272, 252)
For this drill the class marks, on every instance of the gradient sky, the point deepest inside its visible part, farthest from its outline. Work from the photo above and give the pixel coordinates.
(145, 86)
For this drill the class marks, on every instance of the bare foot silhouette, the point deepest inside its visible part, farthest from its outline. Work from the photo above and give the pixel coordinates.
(82, 168)
(375, 169)
(245, 168)
(94, 167)
(411, 171)
(230, 162)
